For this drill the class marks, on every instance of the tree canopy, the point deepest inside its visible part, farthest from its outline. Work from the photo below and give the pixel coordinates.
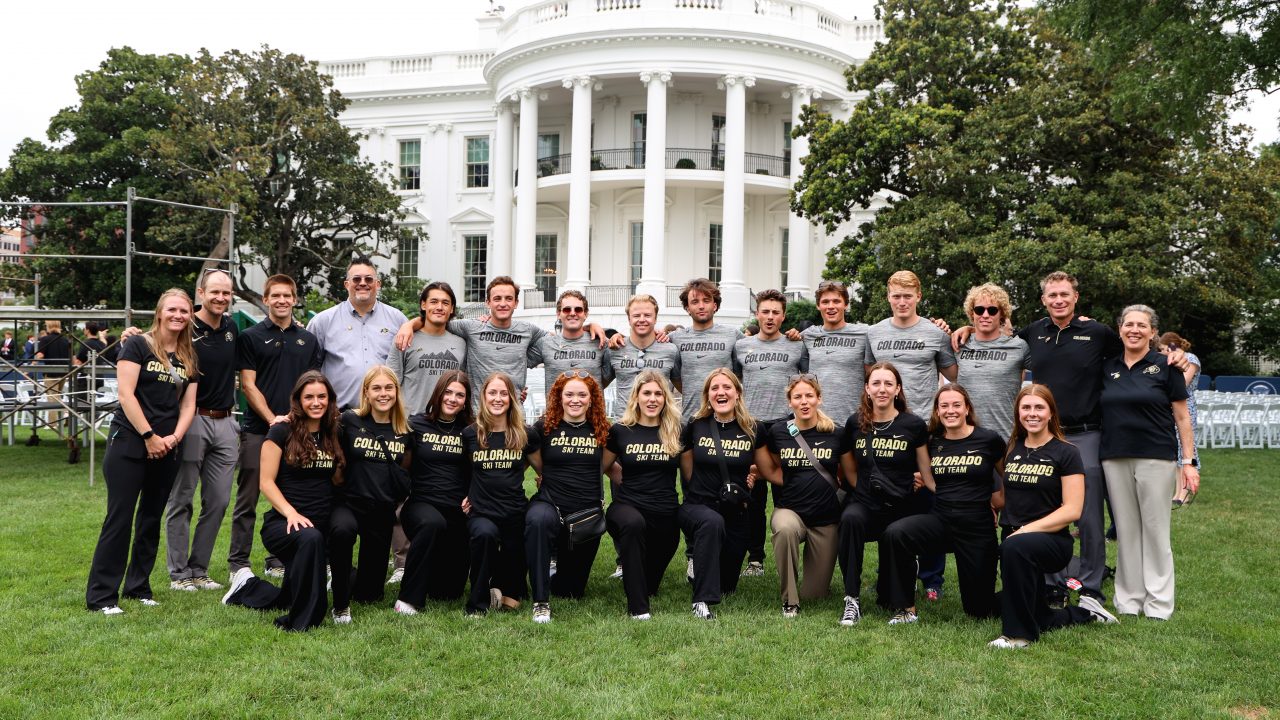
(1025, 167)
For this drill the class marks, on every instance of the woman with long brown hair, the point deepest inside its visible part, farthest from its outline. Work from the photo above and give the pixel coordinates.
(882, 449)
(157, 373)
(1044, 494)
(432, 517)
(302, 462)
(569, 444)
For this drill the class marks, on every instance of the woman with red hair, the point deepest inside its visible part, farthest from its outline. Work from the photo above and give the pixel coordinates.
(570, 441)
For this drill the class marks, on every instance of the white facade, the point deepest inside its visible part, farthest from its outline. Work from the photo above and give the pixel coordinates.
(605, 104)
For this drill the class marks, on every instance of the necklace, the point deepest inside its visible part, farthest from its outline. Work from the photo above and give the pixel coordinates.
(572, 424)
(879, 427)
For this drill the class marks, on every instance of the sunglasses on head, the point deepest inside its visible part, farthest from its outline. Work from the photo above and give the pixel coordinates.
(571, 374)
(991, 310)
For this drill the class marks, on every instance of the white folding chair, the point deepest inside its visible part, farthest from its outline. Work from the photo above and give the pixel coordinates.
(1201, 427)
(1273, 424)
(1250, 425)
(1222, 428)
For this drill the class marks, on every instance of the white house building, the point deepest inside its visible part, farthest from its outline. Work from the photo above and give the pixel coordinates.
(612, 146)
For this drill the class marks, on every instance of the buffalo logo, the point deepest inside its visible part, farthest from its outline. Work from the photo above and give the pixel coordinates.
(301, 341)
(1153, 370)
(229, 337)
(1115, 376)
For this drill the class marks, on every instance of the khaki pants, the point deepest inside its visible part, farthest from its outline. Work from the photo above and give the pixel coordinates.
(1140, 492)
(789, 531)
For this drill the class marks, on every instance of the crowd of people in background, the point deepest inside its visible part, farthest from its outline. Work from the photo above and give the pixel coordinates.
(408, 435)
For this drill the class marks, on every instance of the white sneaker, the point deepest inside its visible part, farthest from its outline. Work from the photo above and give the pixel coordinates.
(904, 617)
(1099, 613)
(553, 567)
(342, 617)
(274, 572)
(790, 611)
(112, 610)
(542, 613)
(852, 611)
(148, 602)
(1008, 643)
(405, 608)
(617, 573)
(396, 577)
(754, 569)
(183, 585)
(642, 616)
(204, 582)
(238, 579)
(701, 611)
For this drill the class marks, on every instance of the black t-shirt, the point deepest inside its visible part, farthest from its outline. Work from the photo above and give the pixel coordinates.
(1069, 361)
(1033, 481)
(156, 391)
(648, 472)
(57, 351)
(1137, 408)
(894, 446)
(965, 469)
(370, 449)
(440, 471)
(216, 352)
(309, 489)
(804, 491)
(278, 357)
(571, 474)
(497, 474)
(738, 450)
(91, 344)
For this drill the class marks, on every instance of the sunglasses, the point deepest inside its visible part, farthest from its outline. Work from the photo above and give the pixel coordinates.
(991, 310)
(362, 279)
(571, 374)
(573, 310)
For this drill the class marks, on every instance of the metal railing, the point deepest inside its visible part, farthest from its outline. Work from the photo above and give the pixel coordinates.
(675, 159)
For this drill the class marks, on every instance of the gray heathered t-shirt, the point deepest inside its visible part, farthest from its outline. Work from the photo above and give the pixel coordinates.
(702, 351)
(837, 358)
(991, 371)
(559, 355)
(767, 367)
(491, 349)
(918, 352)
(629, 361)
(418, 368)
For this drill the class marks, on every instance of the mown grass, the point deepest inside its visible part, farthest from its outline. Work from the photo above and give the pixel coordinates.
(193, 657)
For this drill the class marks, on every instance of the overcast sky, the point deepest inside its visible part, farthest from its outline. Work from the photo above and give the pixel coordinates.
(47, 44)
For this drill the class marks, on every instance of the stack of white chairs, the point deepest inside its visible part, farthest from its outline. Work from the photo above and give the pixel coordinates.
(1251, 425)
(1220, 418)
(1273, 421)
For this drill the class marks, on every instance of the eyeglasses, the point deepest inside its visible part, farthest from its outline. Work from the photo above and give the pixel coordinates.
(991, 310)
(362, 279)
(573, 310)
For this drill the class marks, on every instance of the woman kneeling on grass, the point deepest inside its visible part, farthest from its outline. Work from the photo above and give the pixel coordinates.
(1044, 494)
(642, 516)
(301, 463)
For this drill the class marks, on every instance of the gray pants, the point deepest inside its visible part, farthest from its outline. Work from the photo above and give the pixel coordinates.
(1092, 569)
(245, 514)
(209, 453)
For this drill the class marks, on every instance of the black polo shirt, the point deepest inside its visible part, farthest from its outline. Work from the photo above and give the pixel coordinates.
(1069, 360)
(1137, 408)
(279, 357)
(216, 353)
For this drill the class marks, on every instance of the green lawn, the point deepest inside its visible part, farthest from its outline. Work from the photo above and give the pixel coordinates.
(193, 657)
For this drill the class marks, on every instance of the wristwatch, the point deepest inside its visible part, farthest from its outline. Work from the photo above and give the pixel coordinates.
(1189, 461)
(148, 434)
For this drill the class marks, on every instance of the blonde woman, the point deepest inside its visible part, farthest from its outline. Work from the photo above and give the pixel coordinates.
(721, 443)
(375, 444)
(642, 517)
(156, 372)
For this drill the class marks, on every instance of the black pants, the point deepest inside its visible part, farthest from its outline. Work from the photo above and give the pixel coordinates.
(1024, 602)
(719, 546)
(646, 542)
(372, 522)
(497, 559)
(302, 592)
(137, 491)
(932, 564)
(970, 534)
(438, 559)
(544, 538)
(860, 525)
(757, 522)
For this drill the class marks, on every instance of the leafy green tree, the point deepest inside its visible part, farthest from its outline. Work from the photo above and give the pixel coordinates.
(1262, 309)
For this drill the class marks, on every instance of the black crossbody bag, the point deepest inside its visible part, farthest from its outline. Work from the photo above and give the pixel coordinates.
(584, 525)
(882, 488)
(733, 498)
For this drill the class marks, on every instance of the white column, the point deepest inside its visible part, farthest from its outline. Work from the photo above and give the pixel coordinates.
(577, 269)
(435, 196)
(653, 248)
(527, 190)
(733, 287)
(502, 157)
(799, 230)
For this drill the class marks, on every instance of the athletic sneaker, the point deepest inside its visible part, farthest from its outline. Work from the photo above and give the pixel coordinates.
(755, 568)
(495, 598)
(1008, 643)
(688, 570)
(183, 585)
(204, 582)
(342, 617)
(238, 579)
(542, 613)
(852, 611)
(903, 617)
(790, 611)
(148, 602)
(405, 608)
(1099, 613)
(617, 573)
(701, 611)
(112, 610)
(396, 576)
(642, 616)
(275, 571)
(553, 567)
(933, 594)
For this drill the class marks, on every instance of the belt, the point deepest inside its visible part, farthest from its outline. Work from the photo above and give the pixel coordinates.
(215, 414)
(1081, 428)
